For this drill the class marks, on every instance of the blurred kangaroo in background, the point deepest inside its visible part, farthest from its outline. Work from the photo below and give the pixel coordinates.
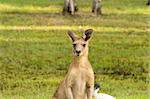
(79, 80)
(96, 7)
(70, 6)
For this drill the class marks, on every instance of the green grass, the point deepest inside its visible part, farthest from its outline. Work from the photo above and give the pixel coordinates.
(35, 51)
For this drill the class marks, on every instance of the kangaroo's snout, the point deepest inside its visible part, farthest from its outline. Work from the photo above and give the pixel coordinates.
(78, 51)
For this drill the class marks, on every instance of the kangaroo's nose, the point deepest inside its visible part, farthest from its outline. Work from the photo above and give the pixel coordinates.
(78, 51)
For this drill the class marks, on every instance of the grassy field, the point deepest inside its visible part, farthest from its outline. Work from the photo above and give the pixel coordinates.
(35, 51)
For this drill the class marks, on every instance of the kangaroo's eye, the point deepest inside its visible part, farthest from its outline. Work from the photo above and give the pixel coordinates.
(74, 45)
(84, 45)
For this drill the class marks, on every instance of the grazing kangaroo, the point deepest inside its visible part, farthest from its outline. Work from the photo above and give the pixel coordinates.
(70, 6)
(79, 80)
(96, 7)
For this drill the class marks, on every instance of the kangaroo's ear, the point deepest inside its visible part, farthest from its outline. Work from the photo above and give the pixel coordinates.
(72, 36)
(87, 34)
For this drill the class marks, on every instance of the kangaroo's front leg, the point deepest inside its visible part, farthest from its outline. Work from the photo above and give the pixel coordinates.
(90, 91)
(90, 86)
(68, 84)
(69, 94)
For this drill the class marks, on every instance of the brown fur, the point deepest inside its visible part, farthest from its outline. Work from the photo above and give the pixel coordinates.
(79, 80)
(96, 7)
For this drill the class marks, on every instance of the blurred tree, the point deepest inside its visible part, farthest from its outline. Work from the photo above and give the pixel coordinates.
(70, 6)
(148, 2)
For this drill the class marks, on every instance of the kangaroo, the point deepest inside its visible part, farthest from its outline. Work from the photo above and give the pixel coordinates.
(96, 7)
(79, 80)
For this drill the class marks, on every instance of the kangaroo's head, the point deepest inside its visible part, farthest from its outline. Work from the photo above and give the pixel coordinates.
(80, 45)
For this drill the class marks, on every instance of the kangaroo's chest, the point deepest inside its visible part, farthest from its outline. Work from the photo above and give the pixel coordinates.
(79, 85)
(80, 80)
